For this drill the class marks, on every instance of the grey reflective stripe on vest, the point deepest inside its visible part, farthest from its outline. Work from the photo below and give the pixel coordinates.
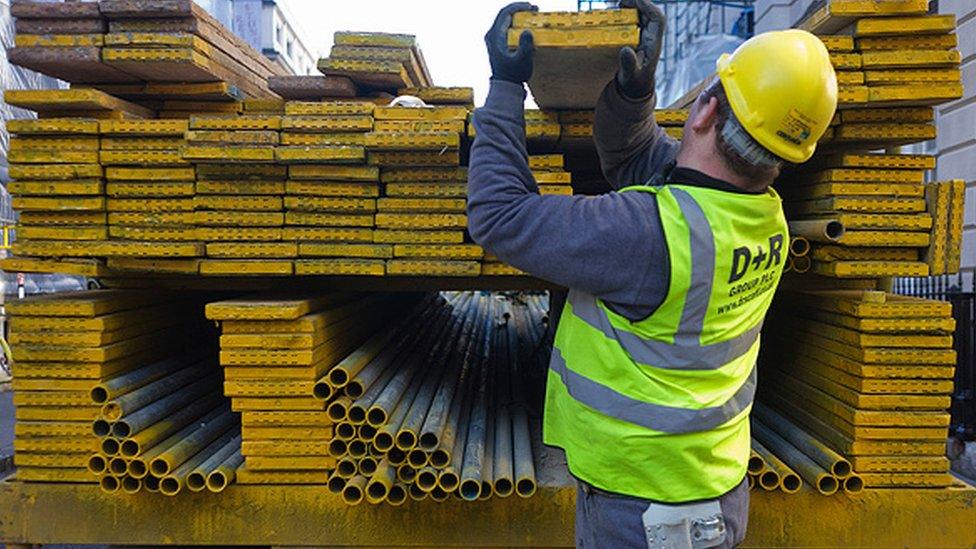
(687, 352)
(666, 419)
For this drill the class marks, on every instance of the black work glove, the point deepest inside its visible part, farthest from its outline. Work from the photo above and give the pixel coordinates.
(513, 66)
(635, 78)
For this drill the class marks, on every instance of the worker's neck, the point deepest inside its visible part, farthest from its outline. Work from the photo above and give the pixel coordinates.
(713, 166)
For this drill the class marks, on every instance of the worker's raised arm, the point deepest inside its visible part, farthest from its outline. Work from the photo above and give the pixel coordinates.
(608, 246)
(632, 147)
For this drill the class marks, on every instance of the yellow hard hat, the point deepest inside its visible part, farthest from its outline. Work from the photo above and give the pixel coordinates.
(782, 88)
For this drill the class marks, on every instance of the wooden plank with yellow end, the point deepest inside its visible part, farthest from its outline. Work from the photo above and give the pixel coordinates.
(909, 42)
(901, 26)
(52, 398)
(53, 126)
(421, 205)
(41, 429)
(252, 250)
(240, 234)
(957, 194)
(453, 174)
(285, 432)
(175, 204)
(154, 234)
(319, 420)
(425, 113)
(322, 124)
(75, 187)
(201, 153)
(339, 154)
(170, 157)
(329, 108)
(238, 220)
(54, 171)
(333, 188)
(408, 126)
(35, 265)
(945, 78)
(421, 221)
(282, 448)
(887, 238)
(500, 269)
(334, 172)
(73, 99)
(910, 58)
(253, 137)
(41, 232)
(408, 236)
(65, 460)
(328, 219)
(366, 251)
(154, 265)
(55, 143)
(143, 189)
(293, 138)
(872, 464)
(61, 204)
(427, 190)
(943, 326)
(245, 267)
(141, 143)
(436, 251)
(31, 156)
(240, 187)
(406, 141)
(411, 267)
(267, 388)
(340, 266)
(239, 404)
(330, 204)
(925, 93)
(57, 413)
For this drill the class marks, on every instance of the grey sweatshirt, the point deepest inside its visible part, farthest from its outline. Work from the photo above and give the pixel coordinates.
(611, 246)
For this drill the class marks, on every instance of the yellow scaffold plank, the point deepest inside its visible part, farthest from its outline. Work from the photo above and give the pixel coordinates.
(365, 251)
(340, 266)
(427, 190)
(900, 26)
(407, 236)
(435, 251)
(328, 219)
(245, 267)
(410, 267)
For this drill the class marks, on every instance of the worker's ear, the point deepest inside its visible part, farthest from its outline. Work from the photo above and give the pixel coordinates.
(703, 117)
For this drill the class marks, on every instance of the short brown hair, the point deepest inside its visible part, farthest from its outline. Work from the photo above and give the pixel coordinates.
(760, 163)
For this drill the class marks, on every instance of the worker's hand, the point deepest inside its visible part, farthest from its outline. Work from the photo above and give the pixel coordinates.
(636, 74)
(513, 66)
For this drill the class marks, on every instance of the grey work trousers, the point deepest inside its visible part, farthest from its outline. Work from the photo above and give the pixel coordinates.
(614, 521)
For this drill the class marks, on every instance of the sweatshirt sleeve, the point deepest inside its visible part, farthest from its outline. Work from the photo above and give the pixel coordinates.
(632, 147)
(611, 246)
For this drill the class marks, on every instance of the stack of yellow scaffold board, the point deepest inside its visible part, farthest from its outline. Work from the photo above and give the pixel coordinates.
(880, 202)
(173, 56)
(870, 375)
(416, 145)
(377, 61)
(273, 350)
(64, 345)
(239, 210)
(330, 194)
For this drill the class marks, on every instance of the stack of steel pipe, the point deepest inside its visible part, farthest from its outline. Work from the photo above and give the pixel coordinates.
(434, 409)
(861, 375)
(66, 345)
(273, 348)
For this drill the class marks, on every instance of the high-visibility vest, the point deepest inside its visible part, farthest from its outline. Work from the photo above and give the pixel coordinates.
(658, 408)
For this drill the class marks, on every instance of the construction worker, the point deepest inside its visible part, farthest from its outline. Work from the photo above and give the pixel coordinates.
(653, 368)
